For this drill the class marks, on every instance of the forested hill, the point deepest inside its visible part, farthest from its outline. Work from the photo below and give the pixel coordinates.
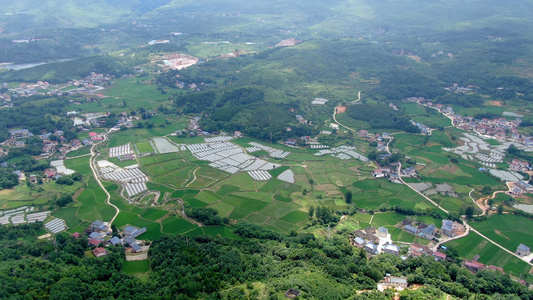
(262, 265)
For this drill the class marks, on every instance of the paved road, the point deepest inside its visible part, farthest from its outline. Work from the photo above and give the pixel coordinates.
(93, 168)
(425, 197)
(335, 113)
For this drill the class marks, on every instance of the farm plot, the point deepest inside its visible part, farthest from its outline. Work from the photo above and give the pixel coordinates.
(132, 178)
(506, 175)
(120, 151)
(55, 226)
(374, 193)
(273, 152)
(343, 152)
(164, 146)
(22, 215)
(229, 157)
(60, 167)
(475, 148)
(507, 230)
(218, 139)
(489, 254)
(144, 147)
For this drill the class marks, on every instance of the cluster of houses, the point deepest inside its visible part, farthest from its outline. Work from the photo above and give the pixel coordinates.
(51, 141)
(375, 241)
(91, 80)
(425, 231)
(424, 129)
(86, 85)
(517, 165)
(497, 128)
(98, 234)
(391, 172)
(5, 101)
(461, 89)
(416, 250)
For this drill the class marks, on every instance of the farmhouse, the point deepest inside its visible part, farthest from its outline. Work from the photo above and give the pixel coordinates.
(525, 186)
(393, 282)
(523, 250)
(20, 133)
(409, 172)
(360, 233)
(383, 232)
(411, 229)
(359, 242)
(371, 248)
(136, 248)
(428, 232)
(115, 241)
(418, 250)
(378, 173)
(447, 228)
(99, 252)
(439, 256)
(474, 266)
(391, 249)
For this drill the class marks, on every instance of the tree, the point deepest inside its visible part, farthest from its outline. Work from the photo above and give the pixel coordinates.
(469, 212)
(348, 197)
(500, 209)
(486, 190)
(311, 211)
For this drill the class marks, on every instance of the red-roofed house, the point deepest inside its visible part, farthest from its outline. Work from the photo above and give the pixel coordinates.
(92, 134)
(439, 256)
(474, 266)
(50, 173)
(95, 242)
(76, 235)
(99, 252)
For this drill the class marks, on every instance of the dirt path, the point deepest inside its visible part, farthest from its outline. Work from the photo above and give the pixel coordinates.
(193, 177)
(73, 157)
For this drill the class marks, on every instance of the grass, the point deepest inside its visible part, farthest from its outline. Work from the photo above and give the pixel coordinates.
(295, 217)
(144, 147)
(490, 254)
(244, 206)
(80, 164)
(175, 225)
(154, 214)
(136, 267)
(507, 230)
(93, 206)
(69, 215)
(82, 151)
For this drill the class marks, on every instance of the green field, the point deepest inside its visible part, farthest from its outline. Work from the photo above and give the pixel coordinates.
(135, 267)
(144, 147)
(154, 214)
(490, 254)
(372, 193)
(92, 199)
(507, 230)
(69, 215)
(80, 164)
(82, 151)
(174, 225)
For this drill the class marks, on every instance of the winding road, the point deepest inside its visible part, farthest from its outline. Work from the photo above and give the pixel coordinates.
(93, 168)
(335, 113)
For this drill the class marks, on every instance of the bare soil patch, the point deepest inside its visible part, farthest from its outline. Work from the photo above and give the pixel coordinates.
(495, 103)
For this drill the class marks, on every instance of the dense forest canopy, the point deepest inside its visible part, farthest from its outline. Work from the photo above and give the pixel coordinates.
(202, 267)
